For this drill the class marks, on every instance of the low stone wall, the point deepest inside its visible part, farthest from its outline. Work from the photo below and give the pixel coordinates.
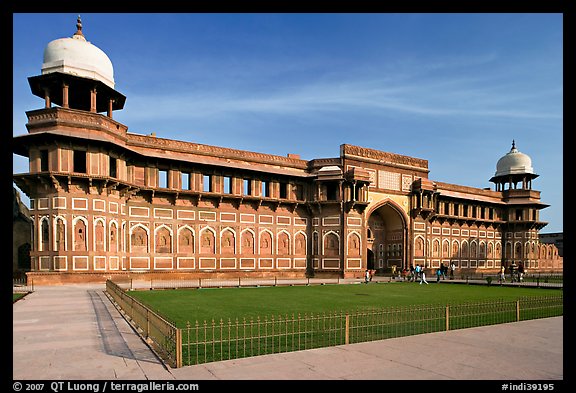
(61, 278)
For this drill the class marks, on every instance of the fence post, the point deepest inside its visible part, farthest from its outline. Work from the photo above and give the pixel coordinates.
(347, 334)
(147, 324)
(179, 347)
(447, 317)
(518, 310)
(239, 281)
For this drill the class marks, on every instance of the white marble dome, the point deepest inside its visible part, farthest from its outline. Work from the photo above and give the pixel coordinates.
(514, 162)
(76, 56)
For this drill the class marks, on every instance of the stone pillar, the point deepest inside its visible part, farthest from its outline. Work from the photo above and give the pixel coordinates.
(93, 100)
(47, 101)
(65, 96)
(110, 103)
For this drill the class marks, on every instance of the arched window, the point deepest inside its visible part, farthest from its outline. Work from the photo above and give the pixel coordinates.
(80, 242)
(436, 248)
(60, 235)
(227, 242)
(44, 235)
(163, 240)
(518, 251)
(185, 240)
(113, 242)
(283, 243)
(445, 249)
(139, 239)
(247, 243)
(315, 243)
(419, 247)
(300, 244)
(331, 244)
(464, 249)
(354, 245)
(265, 243)
(99, 234)
(207, 242)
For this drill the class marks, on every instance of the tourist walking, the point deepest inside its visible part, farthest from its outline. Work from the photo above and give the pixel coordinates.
(502, 274)
(520, 272)
(438, 274)
(422, 275)
(366, 276)
(452, 268)
(412, 273)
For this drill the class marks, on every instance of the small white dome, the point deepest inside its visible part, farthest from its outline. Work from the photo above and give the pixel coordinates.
(514, 162)
(78, 57)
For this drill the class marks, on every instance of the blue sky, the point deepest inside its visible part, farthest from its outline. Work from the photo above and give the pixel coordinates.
(454, 89)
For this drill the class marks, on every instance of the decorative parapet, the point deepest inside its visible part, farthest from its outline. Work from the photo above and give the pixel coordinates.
(40, 119)
(351, 151)
(153, 142)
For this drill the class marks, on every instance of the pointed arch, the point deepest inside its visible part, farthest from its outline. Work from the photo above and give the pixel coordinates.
(331, 244)
(113, 236)
(419, 246)
(99, 234)
(464, 249)
(247, 242)
(265, 243)
(207, 238)
(44, 234)
(60, 230)
(436, 248)
(455, 249)
(139, 235)
(185, 236)
(80, 237)
(283, 242)
(354, 244)
(517, 250)
(300, 242)
(227, 241)
(445, 248)
(163, 239)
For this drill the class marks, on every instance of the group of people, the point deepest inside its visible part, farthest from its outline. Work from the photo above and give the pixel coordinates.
(419, 273)
(368, 275)
(516, 273)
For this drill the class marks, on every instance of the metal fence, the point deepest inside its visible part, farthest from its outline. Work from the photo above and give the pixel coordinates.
(163, 336)
(216, 340)
(22, 285)
(532, 280)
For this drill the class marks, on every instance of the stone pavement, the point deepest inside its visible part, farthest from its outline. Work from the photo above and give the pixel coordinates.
(73, 332)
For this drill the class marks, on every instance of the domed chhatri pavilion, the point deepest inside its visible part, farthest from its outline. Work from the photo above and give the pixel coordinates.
(106, 202)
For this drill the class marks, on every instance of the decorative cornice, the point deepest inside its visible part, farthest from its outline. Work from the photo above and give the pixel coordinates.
(351, 151)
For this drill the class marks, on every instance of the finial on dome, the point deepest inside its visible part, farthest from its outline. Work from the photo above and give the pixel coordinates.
(513, 144)
(78, 33)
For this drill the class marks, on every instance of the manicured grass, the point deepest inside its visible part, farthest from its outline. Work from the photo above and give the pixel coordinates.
(182, 305)
(17, 296)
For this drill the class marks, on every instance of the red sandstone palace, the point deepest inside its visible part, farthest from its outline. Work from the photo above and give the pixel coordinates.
(106, 202)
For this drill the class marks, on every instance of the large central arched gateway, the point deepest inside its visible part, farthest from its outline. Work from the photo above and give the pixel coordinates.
(386, 236)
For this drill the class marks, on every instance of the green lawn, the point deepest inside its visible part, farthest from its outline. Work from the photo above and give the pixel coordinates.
(182, 305)
(17, 296)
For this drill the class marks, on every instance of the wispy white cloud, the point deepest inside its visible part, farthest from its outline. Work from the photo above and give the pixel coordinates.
(459, 96)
